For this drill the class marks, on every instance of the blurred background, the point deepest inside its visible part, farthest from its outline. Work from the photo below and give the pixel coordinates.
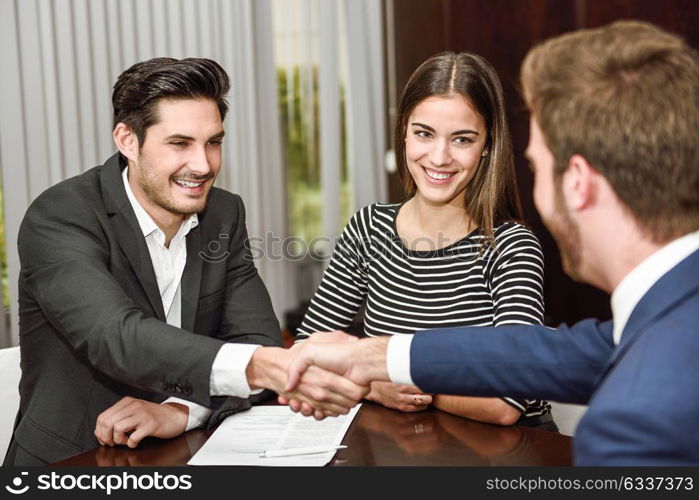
(314, 90)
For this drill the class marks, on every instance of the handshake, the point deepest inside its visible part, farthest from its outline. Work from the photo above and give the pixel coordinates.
(325, 375)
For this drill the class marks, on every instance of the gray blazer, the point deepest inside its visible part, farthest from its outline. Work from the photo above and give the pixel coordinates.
(92, 325)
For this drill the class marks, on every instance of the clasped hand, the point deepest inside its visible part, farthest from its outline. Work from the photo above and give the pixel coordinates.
(360, 362)
(317, 391)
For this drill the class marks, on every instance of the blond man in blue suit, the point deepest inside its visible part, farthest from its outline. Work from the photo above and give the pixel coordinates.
(614, 150)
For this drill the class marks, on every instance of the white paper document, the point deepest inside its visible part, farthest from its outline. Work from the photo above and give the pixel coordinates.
(241, 438)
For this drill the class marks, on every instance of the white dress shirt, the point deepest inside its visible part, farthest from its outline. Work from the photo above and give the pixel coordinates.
(634, 286)
(228, 370)
(624, 299)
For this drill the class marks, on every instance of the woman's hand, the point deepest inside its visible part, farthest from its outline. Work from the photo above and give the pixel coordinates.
(406, 398)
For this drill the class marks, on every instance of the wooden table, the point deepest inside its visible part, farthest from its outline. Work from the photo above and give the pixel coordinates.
(379, 437)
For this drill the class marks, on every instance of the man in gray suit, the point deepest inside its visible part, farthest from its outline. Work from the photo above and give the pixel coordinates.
(136, 284)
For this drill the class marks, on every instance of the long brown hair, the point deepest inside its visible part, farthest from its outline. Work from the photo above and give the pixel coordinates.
(491, 197)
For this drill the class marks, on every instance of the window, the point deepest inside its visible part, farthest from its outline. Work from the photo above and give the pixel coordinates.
(297, 58)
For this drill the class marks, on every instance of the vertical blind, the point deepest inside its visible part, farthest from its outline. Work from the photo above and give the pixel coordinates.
(61, 57)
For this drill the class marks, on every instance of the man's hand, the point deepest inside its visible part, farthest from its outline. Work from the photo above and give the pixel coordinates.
(309, 379)
(362, 362)
(129, 420)
(399, 397)
(323, 394)
(319, 393)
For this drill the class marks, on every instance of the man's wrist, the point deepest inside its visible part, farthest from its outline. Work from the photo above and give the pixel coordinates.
(372, 360)
(180, 411)
(267, 367)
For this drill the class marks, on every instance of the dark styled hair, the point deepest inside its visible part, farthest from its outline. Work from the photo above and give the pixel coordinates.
(139, 88)
(491, 197)
(625, 97)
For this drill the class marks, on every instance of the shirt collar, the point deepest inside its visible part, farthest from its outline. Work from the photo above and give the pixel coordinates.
(145, 221)
(641, 278)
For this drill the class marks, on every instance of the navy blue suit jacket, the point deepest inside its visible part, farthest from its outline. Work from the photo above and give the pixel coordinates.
(642, 395)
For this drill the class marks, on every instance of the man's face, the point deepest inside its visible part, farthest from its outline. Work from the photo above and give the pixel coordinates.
(549, 201)
(179, 158)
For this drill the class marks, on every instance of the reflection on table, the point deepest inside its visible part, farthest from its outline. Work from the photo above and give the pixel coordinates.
(380, 437)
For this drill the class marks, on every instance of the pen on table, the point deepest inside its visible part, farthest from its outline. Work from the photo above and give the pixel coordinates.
(310, 450)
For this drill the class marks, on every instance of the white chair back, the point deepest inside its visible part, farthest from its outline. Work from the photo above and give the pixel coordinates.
(9, 394)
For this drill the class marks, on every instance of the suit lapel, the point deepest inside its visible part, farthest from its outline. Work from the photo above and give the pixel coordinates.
(129, 235)
(191, 279)
(681, 281)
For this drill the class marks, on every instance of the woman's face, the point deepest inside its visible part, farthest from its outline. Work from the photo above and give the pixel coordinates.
(444, 141)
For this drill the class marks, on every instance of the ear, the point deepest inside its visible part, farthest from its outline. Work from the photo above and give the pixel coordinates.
(126, 141)
(579, 183)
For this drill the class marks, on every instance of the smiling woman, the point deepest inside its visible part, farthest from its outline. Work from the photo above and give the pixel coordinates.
(445, 144)
(462, 91)
(454, 253)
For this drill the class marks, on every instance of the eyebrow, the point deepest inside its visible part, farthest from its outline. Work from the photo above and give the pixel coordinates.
(458, 132)
(183, 137)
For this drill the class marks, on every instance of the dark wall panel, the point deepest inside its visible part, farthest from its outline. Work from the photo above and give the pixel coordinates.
(678, 16)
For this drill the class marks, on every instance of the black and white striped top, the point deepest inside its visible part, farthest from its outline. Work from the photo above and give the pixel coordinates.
(408, 290)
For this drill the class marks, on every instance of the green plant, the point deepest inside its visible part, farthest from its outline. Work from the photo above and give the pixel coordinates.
(302, 155)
